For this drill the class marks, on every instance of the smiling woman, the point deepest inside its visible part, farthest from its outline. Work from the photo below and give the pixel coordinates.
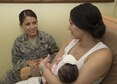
(52, 1)
(29, 48)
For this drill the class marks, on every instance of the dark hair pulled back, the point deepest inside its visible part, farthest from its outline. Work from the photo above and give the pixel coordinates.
(88, 18)
(24, 13)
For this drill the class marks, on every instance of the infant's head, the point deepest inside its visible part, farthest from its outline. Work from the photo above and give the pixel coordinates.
(68, 73)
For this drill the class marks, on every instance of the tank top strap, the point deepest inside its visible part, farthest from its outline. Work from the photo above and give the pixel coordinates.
(70, 45)
(98, 46)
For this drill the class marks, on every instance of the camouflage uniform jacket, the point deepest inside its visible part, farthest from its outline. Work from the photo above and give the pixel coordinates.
(23, 49)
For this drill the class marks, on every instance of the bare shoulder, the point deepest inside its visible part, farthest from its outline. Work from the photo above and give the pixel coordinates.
(104, 54)
(98, 63)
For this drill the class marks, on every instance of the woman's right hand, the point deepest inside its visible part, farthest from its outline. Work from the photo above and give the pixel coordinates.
(33, 64)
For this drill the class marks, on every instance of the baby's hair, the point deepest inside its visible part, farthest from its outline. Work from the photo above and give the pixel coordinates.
(68, 73)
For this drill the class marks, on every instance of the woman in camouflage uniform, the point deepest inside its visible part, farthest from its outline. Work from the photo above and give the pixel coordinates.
(29, 47)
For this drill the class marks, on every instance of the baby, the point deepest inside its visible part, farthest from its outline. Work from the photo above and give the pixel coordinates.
(64, 68)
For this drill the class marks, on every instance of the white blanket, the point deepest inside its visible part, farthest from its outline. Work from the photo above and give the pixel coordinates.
(32, 80)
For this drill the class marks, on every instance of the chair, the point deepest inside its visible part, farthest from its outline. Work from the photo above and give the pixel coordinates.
(110, 39)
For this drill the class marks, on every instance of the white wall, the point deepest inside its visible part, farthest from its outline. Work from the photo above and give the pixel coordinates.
(53, 18)
(115, 9)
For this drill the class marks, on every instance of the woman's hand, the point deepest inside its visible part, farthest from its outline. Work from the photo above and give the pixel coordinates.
(33, 64)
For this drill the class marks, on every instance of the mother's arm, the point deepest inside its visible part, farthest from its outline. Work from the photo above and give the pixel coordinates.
(95, 66)
(50, 77)
(46, 72)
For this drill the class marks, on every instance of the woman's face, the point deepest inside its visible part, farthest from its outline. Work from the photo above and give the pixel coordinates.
(75, 31)
(30, 26)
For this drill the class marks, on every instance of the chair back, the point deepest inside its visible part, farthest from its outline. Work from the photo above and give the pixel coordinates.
(110, 39)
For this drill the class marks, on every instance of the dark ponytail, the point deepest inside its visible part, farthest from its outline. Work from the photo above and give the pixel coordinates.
(88, 17)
